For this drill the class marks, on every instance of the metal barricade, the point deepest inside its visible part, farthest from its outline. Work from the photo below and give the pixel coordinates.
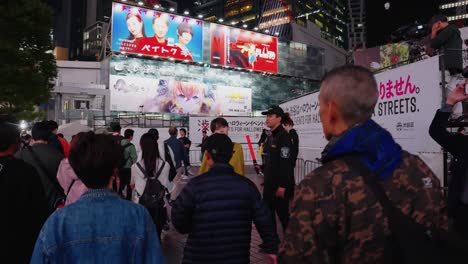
(303, 168)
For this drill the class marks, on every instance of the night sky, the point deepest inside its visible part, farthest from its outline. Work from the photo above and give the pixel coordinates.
(381, 23)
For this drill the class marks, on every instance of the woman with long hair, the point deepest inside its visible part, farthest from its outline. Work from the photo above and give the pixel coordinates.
(150, 165)
(137, 36)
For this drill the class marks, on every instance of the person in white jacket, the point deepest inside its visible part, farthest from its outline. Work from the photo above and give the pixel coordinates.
(151, 163)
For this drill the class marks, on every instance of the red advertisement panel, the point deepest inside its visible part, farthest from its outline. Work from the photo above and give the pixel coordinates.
(244, 49)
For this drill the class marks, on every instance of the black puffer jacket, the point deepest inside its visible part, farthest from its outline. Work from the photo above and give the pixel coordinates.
(216, 209)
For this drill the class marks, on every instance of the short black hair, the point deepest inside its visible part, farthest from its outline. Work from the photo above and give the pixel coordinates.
(220, 147)
(52, 125)
(129, 133)
(218, 122)
(9, 135)
(41, 131)
(115, 127)
(437, 18)
(94, 158)
(183, 129)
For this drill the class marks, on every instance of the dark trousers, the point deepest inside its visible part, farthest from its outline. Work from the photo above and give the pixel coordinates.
(279, 206)
(460, 221)
(159, 216)
(125, 174)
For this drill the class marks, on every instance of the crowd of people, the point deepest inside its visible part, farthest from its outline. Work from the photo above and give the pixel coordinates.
(97, 200)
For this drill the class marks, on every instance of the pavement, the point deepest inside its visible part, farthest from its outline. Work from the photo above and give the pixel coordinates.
(173, 242)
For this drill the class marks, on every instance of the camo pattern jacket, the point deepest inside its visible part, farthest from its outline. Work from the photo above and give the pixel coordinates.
(335, 217)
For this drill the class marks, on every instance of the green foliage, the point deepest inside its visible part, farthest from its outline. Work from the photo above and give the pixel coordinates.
(27, 65)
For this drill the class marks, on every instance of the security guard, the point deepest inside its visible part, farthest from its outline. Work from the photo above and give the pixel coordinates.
(279, 173)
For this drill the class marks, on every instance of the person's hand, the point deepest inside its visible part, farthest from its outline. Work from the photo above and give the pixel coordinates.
(271, 258)
(280, 192)
(457, 95)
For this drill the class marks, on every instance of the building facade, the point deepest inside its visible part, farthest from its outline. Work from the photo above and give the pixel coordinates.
(356, 24)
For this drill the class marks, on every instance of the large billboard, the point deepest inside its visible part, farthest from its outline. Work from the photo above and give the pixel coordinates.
(129, 93)
(245, 49)
(148, 32)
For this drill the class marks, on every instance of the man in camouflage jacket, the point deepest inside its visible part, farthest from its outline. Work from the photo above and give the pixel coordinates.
(335, 217)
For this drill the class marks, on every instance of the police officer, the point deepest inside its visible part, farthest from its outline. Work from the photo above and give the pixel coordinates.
(279, 174)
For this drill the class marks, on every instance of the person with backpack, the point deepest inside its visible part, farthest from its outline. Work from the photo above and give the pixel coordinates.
(370, 201)
(23, 199)
(46, 159)
(150, 179)
(129, 158)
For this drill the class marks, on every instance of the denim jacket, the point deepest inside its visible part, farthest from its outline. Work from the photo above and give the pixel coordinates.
(98, 228)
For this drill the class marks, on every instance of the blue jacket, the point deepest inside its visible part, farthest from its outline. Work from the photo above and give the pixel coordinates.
(178, 150)
(98, 228)
(216, 209)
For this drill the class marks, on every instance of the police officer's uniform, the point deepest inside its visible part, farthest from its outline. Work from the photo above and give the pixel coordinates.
(278, 170)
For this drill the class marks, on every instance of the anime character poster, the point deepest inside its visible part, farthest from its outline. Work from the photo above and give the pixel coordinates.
(149, 32)
(147, 95)
(244, 49)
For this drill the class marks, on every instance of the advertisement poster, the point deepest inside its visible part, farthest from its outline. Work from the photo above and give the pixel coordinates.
(244, 49)
(408, 99)
(381, 57)
(148, 32)
(239, 127)
(139, 94)
(393, 54)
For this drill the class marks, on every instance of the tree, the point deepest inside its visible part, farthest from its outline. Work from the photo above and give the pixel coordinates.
(27, 65)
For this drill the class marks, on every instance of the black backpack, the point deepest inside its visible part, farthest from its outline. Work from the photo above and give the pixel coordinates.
(118, 140)
(168, 158)
(411, 242)
(57, 197)
(153, 195)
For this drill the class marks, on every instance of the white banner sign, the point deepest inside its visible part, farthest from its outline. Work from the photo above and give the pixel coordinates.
(239, 127)
(408, 99)
(304, 111)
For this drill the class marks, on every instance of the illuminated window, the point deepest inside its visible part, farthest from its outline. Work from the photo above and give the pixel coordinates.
(211, 19)
(232, 12)
(246, 8)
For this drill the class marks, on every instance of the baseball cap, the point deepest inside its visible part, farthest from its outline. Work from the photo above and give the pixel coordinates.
(274, 109)
(217, 144)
